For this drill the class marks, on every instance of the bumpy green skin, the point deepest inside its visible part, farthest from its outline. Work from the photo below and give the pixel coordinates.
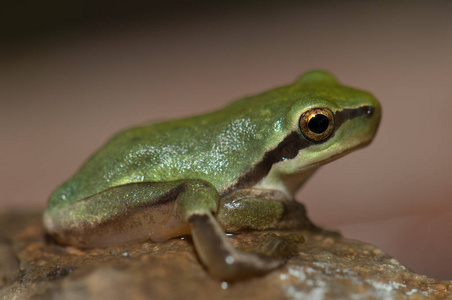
(232, 169)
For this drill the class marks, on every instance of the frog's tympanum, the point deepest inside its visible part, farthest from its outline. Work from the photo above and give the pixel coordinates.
(229, 170)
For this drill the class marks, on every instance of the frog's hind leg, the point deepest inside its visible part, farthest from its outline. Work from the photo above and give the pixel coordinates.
(121, 215)
(157, 211)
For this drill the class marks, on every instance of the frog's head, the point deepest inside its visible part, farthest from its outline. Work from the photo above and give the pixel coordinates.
(326, 121)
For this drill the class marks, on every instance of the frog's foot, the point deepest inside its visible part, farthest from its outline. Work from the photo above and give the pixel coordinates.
(224, 261)
(283, 245)
(295, 217)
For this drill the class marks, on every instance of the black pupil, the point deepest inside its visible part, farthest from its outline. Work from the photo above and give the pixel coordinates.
(318, 123)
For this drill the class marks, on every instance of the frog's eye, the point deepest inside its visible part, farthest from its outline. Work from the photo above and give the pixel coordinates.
(317, 124)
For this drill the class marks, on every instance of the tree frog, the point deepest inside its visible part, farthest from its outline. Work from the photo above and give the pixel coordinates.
(225, 171)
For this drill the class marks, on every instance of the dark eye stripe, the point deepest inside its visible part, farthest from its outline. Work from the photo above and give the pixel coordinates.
(350, 113)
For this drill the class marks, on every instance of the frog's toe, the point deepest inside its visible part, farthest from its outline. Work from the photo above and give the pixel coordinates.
(282, 245)
(242, 265)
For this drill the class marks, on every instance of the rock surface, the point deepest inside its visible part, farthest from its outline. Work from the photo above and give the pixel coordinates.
(327, 267)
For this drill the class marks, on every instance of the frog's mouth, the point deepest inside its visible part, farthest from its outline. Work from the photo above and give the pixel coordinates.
(294, 181)
(336, 156)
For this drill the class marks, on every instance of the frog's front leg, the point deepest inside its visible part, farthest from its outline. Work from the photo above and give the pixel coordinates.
(259, 209)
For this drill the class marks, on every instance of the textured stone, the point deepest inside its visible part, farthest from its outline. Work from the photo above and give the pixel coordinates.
(326, 267)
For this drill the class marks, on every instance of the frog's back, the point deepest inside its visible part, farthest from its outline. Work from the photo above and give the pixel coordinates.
(201, 147)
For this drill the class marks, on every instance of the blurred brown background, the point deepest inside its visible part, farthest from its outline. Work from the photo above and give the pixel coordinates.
(72, 73)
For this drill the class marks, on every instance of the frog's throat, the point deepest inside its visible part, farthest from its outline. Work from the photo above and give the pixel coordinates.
(292, 144)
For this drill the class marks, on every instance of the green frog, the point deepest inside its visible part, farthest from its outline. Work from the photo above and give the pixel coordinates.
(234, 169)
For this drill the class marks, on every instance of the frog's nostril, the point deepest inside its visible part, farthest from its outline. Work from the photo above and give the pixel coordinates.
(369, 111)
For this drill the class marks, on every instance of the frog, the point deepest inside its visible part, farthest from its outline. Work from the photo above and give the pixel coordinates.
(206, 176)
